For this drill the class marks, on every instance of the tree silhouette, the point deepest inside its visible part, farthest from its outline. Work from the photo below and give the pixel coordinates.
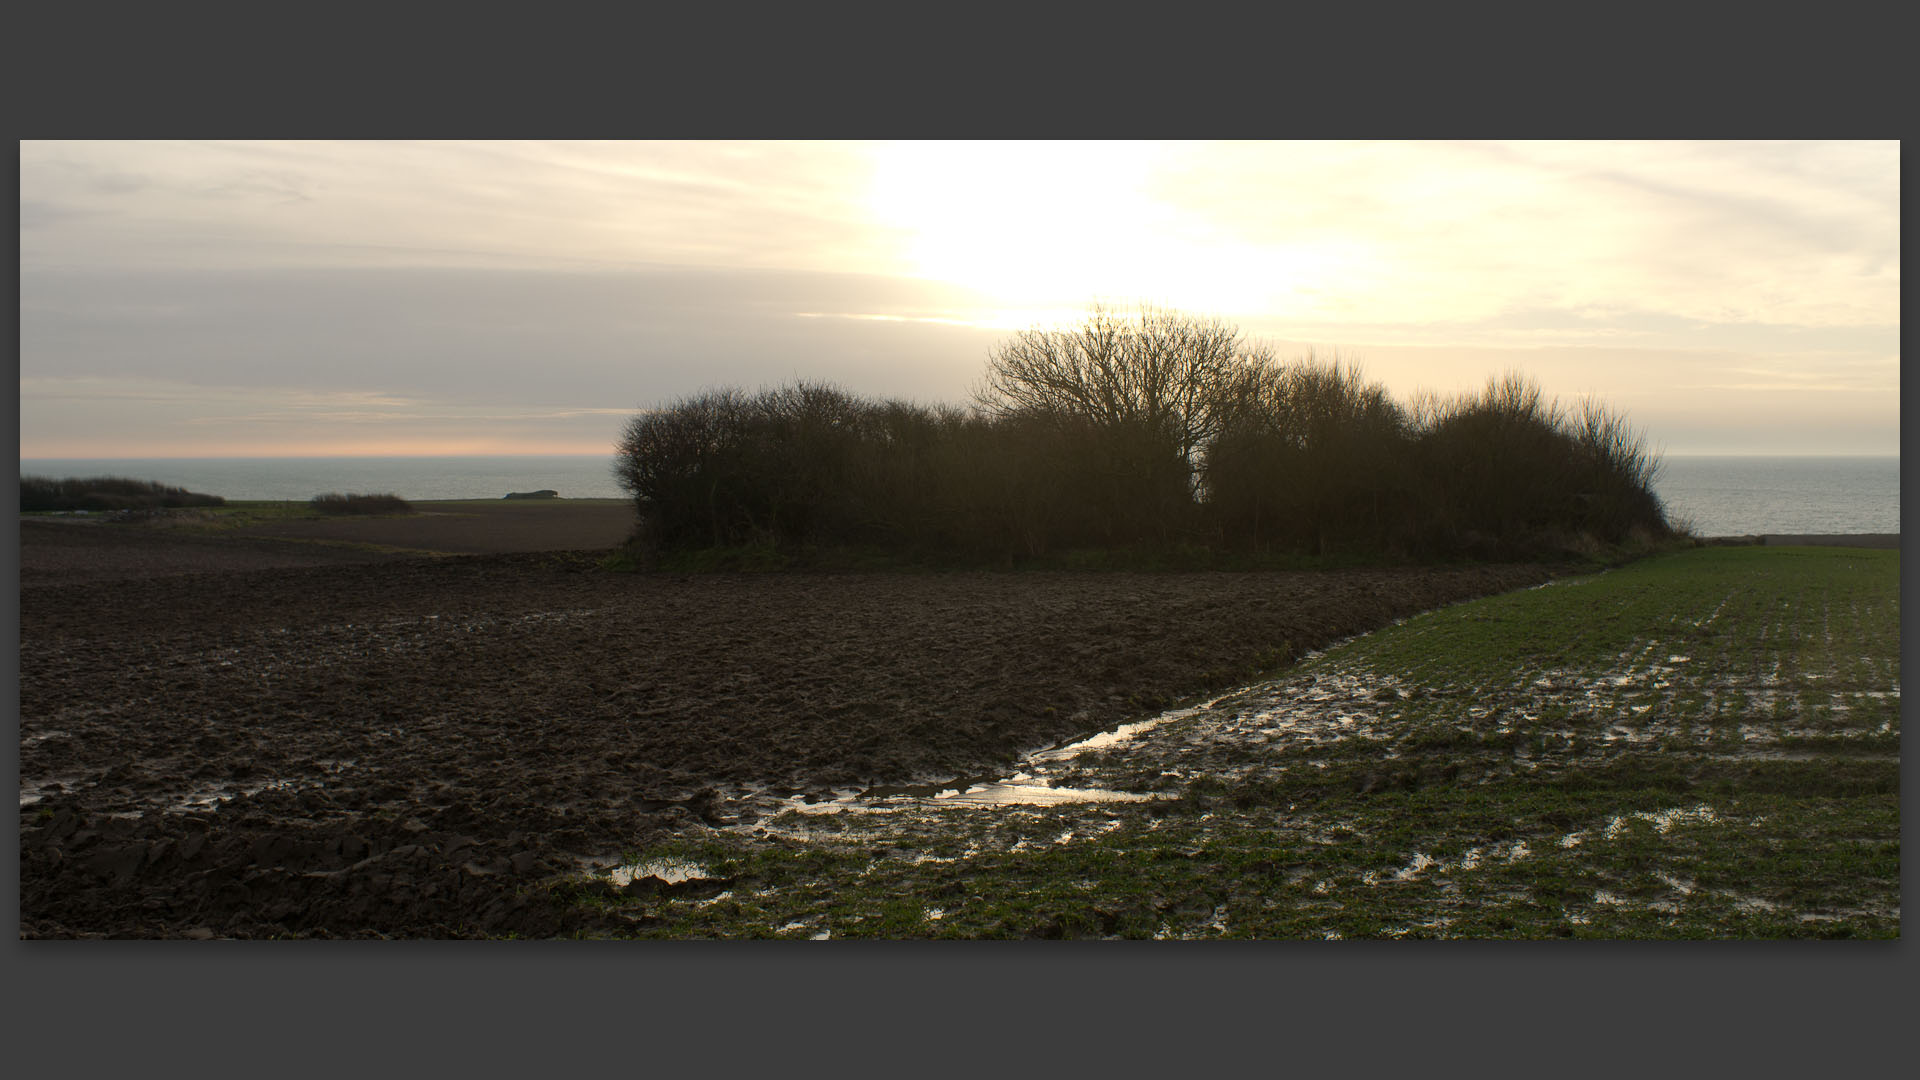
(1159, 377)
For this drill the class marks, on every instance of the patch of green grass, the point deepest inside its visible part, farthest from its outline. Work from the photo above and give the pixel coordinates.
(239, 514)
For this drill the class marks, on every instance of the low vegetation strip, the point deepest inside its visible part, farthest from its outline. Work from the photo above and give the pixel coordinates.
(1700, 745)
(39, 494)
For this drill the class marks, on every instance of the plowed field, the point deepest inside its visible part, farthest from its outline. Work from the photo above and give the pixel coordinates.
(245, 737)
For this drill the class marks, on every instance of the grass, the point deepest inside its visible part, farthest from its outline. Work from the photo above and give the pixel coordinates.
(1698, 745)
(1138, 558)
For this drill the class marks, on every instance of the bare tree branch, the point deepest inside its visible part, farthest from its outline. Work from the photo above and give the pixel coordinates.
(1161, 372)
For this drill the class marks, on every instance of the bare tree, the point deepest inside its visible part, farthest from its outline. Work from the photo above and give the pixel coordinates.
(1161, 372)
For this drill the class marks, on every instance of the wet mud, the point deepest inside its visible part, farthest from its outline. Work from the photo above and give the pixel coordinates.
(423, 747)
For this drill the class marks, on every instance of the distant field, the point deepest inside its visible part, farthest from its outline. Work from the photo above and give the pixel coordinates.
(474, 526)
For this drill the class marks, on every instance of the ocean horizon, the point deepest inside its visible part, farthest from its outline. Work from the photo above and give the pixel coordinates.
(1728, 495)
(574, 476)
(1714, 495)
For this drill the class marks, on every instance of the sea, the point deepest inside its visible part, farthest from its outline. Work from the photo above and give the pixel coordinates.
(300, 479)
(1752, 496)
(1714, 496)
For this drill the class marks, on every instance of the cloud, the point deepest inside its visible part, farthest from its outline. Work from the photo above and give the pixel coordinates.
(499, 277)
(1410, 233)
(238, 204)
(284, 186)
(493, 335)
(146, 417)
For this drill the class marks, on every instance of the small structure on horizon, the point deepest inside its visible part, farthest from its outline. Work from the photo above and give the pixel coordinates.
(543, 493)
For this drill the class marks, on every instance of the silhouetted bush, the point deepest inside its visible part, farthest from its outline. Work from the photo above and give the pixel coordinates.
(722, 468)
(1238, 453)
(101, 493)
(1506, 473)
(336, 503)
(1316, 462)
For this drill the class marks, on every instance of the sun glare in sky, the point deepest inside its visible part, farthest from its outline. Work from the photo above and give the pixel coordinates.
(1039, 228)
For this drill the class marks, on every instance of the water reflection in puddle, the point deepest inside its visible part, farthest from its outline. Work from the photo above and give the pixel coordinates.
(1026, 786)
(667, 871)
(1034, 795)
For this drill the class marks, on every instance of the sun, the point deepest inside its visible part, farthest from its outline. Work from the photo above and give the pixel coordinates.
(1040, 227)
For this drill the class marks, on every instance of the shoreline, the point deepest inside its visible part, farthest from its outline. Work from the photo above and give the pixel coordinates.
(1859, 540)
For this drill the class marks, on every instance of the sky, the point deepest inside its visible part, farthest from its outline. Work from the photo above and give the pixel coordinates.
(250, 299)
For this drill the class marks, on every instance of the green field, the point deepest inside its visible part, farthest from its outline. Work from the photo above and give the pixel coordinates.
(1697, 745)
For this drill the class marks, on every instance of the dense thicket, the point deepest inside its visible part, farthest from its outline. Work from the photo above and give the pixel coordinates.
(97, 493)
(1161, 431)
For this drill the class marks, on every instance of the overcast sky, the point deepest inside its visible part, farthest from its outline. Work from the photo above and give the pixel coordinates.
(261, 298)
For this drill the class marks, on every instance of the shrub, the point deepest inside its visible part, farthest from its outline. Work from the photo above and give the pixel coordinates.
(99, 493)
(1315, 461)
(810, 465)
(1505, 472)
(334, 503)
(724, 469)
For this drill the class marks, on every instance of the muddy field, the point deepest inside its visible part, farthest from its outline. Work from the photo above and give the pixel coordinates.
(248, 737)
(476, 526)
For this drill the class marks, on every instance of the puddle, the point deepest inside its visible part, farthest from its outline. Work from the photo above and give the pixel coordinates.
(667, 871)
(1418, 865)
(1007, 794)
(1125, 733)
(837, 801)
(1025, 786)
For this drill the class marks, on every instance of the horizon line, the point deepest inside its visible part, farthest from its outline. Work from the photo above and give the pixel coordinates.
(614, 453)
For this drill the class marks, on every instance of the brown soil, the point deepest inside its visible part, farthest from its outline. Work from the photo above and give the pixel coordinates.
(66, 551)
(420, 747)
